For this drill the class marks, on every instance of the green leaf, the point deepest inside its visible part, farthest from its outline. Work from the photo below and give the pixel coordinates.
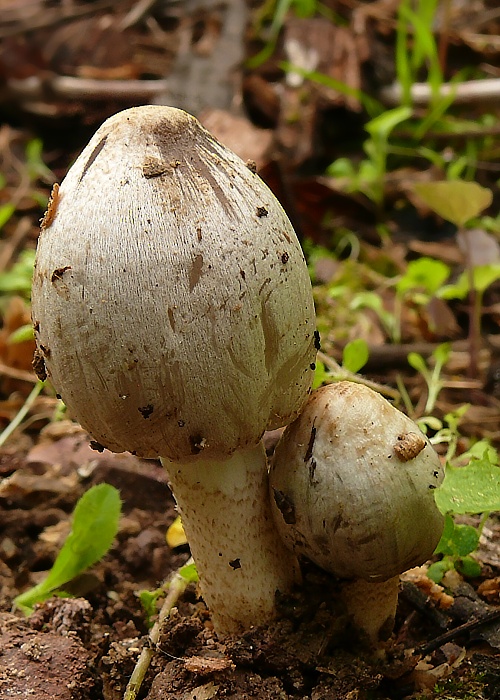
(18, 278)
(95, 524)
(442, 353)
(457, 540)
(342, 167)
(484, 275)
(425, 273)
(320, 375)
(369, 300)
(437, 570)
(148, 601)
(474, 488)
(381, 126)
(6, 211)
(189, 573)
(355, 355)
(416, 361)
(468, 566)
(456, 201)
(21, 334)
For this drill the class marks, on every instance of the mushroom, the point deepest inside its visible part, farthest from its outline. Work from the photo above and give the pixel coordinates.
(352, 484)
(173, 313)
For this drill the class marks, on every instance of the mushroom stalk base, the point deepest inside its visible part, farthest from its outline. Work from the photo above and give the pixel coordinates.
(372, 608)
(224, 506)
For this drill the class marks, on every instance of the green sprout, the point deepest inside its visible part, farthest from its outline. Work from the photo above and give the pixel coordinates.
(94, 527)
(459, 202)
(470, 489)
(432, 376)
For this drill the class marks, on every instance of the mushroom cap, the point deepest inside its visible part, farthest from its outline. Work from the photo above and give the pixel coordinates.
(352, 484)
(171, 301)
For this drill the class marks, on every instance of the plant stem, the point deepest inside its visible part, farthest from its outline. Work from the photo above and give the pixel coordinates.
(176, 588)
(22, 413)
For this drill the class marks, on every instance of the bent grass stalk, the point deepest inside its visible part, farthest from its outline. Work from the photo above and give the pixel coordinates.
(22, 413)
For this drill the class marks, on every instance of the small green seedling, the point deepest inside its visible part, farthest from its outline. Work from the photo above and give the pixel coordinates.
(459, 202)
(422, 280)
(369, 176)
(456, 545)
(94, 527)
(473, 488)
(446, 430)
(149, 599)
(432, 376)
(355, 355)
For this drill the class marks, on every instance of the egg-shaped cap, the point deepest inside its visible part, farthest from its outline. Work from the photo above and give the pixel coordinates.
(352, 482)
(171, 300)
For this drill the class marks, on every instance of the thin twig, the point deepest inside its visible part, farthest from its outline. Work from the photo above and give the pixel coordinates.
(456, 631)
(19, 24)
(70, 87)
(469, 91)
(176, 588)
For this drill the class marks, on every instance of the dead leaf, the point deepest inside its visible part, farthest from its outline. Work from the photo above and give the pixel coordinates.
(206, 664)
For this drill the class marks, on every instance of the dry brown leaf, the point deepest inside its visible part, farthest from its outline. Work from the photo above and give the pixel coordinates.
(207, 664)
(418, 576)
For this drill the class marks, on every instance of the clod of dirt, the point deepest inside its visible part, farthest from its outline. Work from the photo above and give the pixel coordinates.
(42, 665)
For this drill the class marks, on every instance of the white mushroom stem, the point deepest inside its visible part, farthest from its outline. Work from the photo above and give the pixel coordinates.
(226, 514)
(372, 608)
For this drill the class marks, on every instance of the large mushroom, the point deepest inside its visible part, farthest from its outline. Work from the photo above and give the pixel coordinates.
(173, 313)
(352, 483)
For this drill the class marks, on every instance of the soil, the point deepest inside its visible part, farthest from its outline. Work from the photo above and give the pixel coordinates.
(86, 646)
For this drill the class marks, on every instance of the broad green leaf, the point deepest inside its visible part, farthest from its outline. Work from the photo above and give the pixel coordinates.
(425, 273)
(468, 566)
(18, 278)
(474, 488)
(355, 355)
(94, 527)
(456, 200)
(482, 449)
(457, 290)
(457, 540)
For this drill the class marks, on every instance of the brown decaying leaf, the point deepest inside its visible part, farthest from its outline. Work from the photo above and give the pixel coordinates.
(418, 576)
(205, 665)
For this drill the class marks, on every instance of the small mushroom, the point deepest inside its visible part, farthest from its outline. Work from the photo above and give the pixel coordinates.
(352, 484)
(178, 321)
